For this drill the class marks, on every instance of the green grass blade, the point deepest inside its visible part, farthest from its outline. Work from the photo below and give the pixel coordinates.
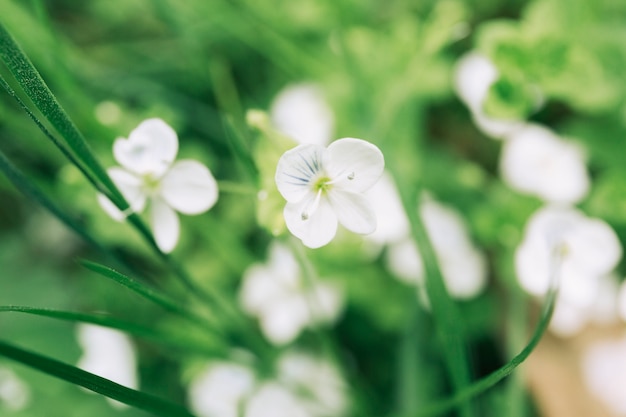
(74, 375)
(492, 379)
(146, 292)
(38, 92)
(64, 150)
(174, 341)
(27, 188)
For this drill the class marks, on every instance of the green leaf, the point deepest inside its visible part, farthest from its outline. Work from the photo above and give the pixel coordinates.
(175, 341)
(74, 375)
(148, 293)
(38, 92)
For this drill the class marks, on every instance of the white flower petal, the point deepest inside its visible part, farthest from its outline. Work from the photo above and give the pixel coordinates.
(165, 225)
(353, 211)
(300, 112)
(538, 162)
(354, 164)
(131, 188)
(220, 390)
(474, 75)
(318, 229)
(189, 187)
(296, 169)
(149, 149)
(107, 353)
(282, 321)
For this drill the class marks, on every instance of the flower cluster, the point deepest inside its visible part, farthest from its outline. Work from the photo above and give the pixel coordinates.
(302, 386)
(283, 301)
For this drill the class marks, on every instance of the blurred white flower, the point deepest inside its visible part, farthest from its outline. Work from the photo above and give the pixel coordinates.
(14, 393)
(322, 388)
(538, 162)
(392, 222)
(148, 174)
(301, 112)
(285, 305)
(604, 372)
(582, 252)
(300, 386)
(275, 400)
(324, 186)
(109, 354)
(474, 75)
(462, 265)
(221, 390)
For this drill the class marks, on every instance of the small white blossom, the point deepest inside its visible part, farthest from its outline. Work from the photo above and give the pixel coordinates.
(474, 75)
(325, 186)
(109, 354)
(319, 383)
(149, 176)
(604, 372)
(14, 393)
(221, 390)
(536, 161)
(301, 112)
(581, 251)
(285, 305)
(301, 385)
(463, 266)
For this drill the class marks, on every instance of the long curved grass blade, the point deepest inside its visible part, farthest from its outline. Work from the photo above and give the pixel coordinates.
(64, 150)
(74, 375)
(174, 341)
(30, 190)
(492, 379)
(146, 292)
(38, 92)
(445, 313)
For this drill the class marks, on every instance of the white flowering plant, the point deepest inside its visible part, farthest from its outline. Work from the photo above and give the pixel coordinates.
(312, 209)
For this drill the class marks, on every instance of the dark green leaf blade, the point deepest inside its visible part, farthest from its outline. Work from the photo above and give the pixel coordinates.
(74, 375)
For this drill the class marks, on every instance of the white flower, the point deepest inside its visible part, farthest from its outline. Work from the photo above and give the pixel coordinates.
(474, 75)
(301, 385)
(604, 372)
(108, 353)
(301, 112)
(536, 161)
(319, 383)
(284, 304)
(462, 265)
(149, 175)
(324, 185)
(583, 251)
(221, 390)
(14, 393)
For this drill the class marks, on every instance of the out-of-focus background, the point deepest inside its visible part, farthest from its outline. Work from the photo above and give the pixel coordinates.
(510, 114)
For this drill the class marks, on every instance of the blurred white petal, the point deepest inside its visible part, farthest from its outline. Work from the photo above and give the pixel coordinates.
(14, 393)
(301, 112)
(536, 161)
(149, 149)
(221, 390)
